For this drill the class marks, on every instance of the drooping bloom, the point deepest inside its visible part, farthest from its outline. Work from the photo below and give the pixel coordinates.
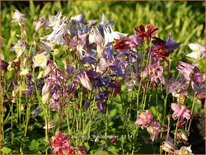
(198, 51)
(181, 136)
(186, 69)
(177, 87)
(20, 47)
(184, 150)
(180, 111)
(144, 119)
(154, 129)
(18, 17)
(61, 144)
(95, 36)
(84, 79)
(40, 23)
(82, 150)
(168, 147)
(110, 35)
(40, 60)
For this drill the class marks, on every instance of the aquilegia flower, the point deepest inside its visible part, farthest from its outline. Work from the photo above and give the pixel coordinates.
(146, 33)
(61, 144)
(40, 60)
(198, 51)
(180, 112)
(144, 119)
(84, 79)
(18, 17)
(184, 150)
(154, 129)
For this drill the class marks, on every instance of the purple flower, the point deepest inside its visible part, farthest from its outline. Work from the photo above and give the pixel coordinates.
(101, 107)
(171, 44)
(144, 119)
(180, 112)
(87, 104)
(4, 65)
(177, 87)
(198, 77)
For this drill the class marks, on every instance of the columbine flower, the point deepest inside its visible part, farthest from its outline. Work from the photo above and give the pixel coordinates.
(180, 111)
(40, 60)
(142, 33)
(95, 36)
(177, 87)
(20, 47)
(84, 79)
(3, 65)
(110, 35)
(184, 150)
(40, 23)
(18, 17)
(144, 119)
(154, 130)
(61, 144)
(78, 18)
(168, 147)
(198, 77)
(50, 125)
(186, 69)
(181, 136)
(171, 44)
(198, 51)
(154, 71)
(60, 31)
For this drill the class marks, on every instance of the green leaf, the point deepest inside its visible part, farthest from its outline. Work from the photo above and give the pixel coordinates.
(34, 145)
(6, 150)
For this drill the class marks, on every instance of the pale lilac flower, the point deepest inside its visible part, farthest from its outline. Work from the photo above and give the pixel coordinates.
(78, 18)
(154, 129)
(84, 79)
(184, 150)
(180, 111)
(186, 69)
(144, 119)
(198, 51)
(18, 17)
(60, 31)
(50, 125)
(198, 77)
(177, 87)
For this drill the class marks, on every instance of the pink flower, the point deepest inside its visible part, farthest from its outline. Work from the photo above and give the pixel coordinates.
(180, 111)
(144, 119)
(186, 69)
(154, 130)
(61, 144)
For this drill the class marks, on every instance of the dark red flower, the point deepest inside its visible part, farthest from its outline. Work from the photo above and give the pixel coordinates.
(142, 33)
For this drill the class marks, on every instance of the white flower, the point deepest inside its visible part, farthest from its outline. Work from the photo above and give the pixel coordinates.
(40, 60)
(95, 36)
(198, 51)
(110, 35)
(24, 71)
(184, 150)
(18, 17)
(20, 47)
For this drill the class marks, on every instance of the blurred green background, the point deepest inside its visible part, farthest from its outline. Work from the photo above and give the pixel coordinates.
(184, 20)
